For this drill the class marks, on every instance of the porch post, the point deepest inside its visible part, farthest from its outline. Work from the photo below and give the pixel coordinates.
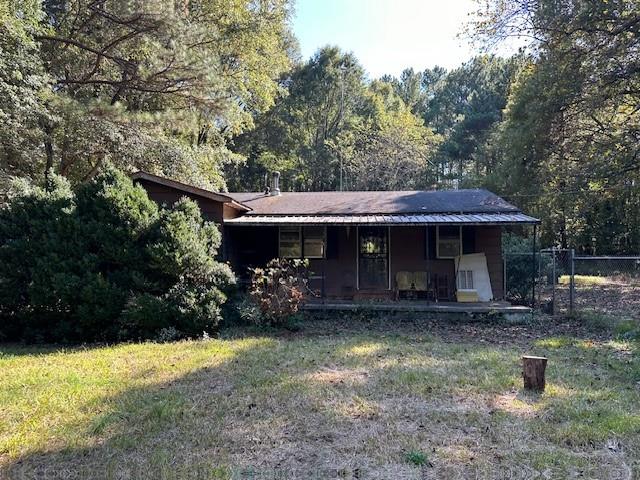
(389, 257)
(324, 274)
(553, 291)
(572, 280)
(427, 246)
(357, 257)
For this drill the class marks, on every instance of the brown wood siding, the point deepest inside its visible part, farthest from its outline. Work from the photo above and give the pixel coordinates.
(230, 212)
(163, 195)
(408, 253)
(254, 246)
(340, 268)
(489, 241)
(250, 247)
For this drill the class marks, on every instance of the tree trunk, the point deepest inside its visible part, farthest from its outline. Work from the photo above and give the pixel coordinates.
(533, 372)
(48, 149)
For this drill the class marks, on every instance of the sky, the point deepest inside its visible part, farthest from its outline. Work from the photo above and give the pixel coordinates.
(387, 36)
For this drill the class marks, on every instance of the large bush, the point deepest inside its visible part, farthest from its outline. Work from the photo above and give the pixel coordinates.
(278, 290)
(106, 264)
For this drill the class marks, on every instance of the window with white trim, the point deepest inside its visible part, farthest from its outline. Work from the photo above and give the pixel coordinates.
(303, 242)
(448, 241)
(465, 280)
(290, 246)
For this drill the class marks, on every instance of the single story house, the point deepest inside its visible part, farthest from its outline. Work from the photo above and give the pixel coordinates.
(434, 245)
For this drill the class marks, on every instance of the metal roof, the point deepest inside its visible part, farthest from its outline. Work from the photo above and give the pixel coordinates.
(375, 202)
(419, 219)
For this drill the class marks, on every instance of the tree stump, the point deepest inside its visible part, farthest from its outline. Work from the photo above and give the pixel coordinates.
(533, 372)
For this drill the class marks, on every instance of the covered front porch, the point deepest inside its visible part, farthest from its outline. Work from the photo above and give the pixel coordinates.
(393, 262)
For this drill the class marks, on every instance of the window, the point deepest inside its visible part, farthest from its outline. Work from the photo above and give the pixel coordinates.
(307, 242)
(449, 241)
(465, 280)
(373, 241)
(314, 242)
(290, 246)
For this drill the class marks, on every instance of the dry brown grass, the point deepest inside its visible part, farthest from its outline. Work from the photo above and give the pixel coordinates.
(612, 298)
(334, 400)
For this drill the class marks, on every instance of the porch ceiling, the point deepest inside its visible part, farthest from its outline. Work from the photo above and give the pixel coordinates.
(417, 219)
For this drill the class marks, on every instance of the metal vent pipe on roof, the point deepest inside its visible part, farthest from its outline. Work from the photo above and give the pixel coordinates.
(275, 184)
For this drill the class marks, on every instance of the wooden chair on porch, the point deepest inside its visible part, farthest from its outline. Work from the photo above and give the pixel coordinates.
(440, 288)
(421, 282)
(404, 283)
(413, 283)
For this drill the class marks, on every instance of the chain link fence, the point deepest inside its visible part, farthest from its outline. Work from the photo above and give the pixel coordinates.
(558, 282)
(606, 285)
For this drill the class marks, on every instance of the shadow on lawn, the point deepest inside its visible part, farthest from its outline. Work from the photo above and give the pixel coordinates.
(23, 350)
(172, 429)
(449, 328)
(328, 406)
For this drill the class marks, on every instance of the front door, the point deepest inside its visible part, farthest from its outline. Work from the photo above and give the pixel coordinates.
(373, 258)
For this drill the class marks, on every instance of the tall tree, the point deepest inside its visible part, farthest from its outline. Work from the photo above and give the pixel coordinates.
(410, 88)
(571, 139)
(315, 134)
(389, 148)
(465, 108)
(23, 90)
(322, 97)
(152, 84)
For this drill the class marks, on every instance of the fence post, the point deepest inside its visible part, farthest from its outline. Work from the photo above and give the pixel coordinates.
(533, 273)
(572, 281)
(553, 282)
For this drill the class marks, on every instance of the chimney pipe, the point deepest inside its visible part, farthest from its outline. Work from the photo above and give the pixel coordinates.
(275, 184)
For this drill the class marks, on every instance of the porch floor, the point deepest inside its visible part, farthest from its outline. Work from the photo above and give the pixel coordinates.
(416, 306)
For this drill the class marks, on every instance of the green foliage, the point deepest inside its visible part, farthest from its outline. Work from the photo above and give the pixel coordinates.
(417, 458)
(278, 290)
(597, 320)
(569, 141)
(106, 264)
(624, 328)
(627, 329)
(32, 255)
(148, 84)
(391, 149)
(463, 106)
(249, 312)
(517, 252)
(23, 92)
(330, 118)
(178, 90)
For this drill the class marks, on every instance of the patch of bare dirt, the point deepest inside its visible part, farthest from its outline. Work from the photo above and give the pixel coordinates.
(615, 299)
(334, 376)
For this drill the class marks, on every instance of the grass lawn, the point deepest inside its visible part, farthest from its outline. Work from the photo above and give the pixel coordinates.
(362, 399)
(585, 280)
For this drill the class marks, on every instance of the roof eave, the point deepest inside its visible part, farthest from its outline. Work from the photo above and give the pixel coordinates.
(200, 192)
(512, 218)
